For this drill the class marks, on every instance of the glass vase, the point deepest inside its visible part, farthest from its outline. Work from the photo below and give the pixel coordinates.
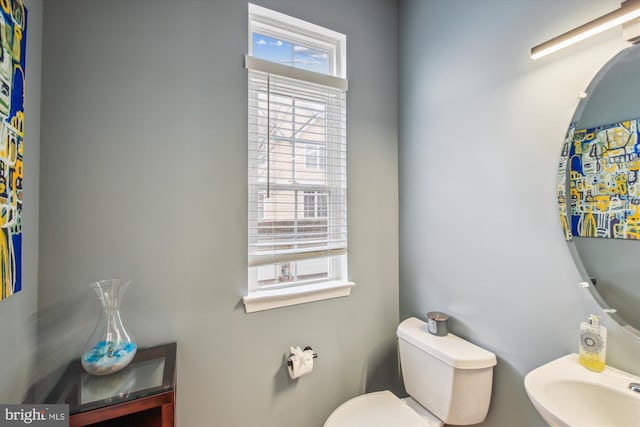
(110, 347)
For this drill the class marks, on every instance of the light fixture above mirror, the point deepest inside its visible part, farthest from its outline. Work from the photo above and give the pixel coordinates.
(628, 15)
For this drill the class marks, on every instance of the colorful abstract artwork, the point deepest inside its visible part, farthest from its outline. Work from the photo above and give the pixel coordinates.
(13, 31)
(562, 185)
(604, 181)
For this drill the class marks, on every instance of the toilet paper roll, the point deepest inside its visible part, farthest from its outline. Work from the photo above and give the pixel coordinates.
(301, 362)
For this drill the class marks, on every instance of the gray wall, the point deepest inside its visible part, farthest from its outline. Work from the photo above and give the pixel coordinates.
(481, 127)
(144, 176)
(17, 313)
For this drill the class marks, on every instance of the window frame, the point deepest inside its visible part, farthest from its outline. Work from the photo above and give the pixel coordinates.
(278, 25)
(315, 204)
(314, 158)
(300, 33)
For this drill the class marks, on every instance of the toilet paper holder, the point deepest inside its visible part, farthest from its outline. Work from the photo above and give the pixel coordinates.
(315, 355)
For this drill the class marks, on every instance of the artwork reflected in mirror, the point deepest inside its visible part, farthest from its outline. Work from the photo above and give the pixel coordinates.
(604, 181)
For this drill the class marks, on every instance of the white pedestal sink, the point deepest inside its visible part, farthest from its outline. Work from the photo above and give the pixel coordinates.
(567, 394)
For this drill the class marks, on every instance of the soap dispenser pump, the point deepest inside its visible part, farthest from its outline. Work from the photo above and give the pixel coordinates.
(593, 344)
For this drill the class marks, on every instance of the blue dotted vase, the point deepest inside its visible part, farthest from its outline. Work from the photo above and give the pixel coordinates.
(110, 347)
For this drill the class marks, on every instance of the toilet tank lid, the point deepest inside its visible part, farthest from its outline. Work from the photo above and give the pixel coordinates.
(451, 349)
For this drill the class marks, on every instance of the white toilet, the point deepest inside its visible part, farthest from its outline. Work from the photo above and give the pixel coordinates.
(449, 381)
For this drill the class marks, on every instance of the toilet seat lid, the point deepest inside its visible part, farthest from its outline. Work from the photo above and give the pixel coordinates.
(381, 408)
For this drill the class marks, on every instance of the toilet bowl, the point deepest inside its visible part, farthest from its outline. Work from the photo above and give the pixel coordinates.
(381, 409)
(448, 379)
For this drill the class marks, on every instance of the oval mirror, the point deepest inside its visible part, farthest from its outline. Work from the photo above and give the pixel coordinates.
(599, 188)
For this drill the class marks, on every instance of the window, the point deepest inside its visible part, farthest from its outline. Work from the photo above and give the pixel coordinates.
(297, 248)
(315, 204)
(314, 157)
(259, 207)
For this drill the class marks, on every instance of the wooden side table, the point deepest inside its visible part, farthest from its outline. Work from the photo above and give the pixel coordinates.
(142, 394)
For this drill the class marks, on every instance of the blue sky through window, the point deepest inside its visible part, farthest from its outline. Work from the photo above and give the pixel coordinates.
(293, 55)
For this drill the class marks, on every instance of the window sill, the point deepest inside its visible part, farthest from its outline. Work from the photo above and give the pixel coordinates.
(276, 298)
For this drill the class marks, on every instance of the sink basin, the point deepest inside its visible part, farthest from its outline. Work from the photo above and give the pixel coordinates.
(567, 394)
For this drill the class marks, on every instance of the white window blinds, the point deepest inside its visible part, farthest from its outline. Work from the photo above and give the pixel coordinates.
(297, 176)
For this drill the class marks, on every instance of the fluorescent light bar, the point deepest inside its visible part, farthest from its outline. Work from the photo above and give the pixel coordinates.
(629, 10)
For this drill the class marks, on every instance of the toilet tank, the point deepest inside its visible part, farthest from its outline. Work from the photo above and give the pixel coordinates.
(450, 377)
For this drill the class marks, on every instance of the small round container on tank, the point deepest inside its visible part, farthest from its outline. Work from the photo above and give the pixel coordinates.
(438, 323)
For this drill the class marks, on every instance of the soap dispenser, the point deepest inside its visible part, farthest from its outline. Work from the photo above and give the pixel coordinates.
(593, 344)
